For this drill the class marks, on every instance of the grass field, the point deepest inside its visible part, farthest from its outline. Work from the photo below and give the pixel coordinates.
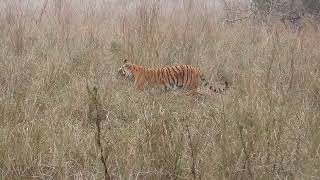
(266, 126)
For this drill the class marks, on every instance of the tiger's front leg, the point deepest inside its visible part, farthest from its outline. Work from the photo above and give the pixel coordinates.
(140, 83)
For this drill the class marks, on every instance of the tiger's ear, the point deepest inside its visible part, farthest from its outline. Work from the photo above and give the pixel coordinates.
(125, 61)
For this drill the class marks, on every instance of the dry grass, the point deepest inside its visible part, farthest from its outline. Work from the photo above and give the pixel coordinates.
(266, 127)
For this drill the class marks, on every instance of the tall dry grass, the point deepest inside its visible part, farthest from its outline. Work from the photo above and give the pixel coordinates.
(265, 127)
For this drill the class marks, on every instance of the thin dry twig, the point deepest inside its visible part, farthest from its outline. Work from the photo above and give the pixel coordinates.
(247, 156)
(42, 11)
(95, 116)
(193, 156)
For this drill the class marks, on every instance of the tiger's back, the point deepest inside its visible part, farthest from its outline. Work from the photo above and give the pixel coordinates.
(175, 77)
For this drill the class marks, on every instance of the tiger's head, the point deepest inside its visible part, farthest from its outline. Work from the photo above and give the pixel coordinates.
(220, 87)
(126, 70)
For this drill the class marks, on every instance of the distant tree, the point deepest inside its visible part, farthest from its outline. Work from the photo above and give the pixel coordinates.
(271, 7)
(262, 6)
(290, 10)
(263, 9)
(312, 7)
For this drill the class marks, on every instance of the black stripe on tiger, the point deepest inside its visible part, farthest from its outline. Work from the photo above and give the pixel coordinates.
(172, 76)
(176, 75)
(170, 79)
(180, 75)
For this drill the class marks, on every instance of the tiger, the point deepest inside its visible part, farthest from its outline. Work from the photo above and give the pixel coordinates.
(173, 77)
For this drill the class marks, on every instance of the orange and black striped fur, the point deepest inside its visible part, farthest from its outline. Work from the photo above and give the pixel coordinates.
(170, 77)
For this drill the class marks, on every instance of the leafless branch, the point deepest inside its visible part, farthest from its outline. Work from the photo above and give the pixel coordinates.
(237, 19)
(42, 11)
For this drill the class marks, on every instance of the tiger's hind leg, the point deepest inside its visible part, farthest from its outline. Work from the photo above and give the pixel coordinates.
(165, 88)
